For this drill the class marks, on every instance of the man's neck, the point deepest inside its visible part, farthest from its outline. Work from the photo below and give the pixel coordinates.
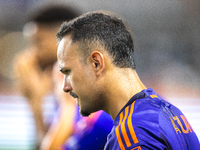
(123, 86)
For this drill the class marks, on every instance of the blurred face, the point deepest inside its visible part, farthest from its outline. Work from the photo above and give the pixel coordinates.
(79, 78)
(44, 39)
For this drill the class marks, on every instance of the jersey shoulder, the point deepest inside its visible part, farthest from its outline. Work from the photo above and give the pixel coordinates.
(136, 126)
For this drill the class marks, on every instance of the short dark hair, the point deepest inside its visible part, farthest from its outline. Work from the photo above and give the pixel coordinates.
(53, 14)
(100, 28)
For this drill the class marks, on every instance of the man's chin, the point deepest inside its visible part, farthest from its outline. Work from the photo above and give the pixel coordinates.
(84, 114)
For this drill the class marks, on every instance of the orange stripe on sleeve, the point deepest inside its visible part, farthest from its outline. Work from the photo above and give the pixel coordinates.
(124, 133)
(132, 132)
(153, 96)
(137, 148)
(118, 134)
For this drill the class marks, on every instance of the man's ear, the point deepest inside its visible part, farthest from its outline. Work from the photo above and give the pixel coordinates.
(98, 61)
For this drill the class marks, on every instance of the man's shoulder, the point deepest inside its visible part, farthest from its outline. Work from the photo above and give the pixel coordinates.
(135, 124)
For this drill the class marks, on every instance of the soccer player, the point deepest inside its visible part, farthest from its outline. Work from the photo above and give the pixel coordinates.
(96, 56)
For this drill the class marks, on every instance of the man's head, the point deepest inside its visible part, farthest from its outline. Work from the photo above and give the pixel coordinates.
(89, 46)
(99, 29)
(42, 27)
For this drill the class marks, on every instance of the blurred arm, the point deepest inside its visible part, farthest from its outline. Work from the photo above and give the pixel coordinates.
(34, 85)
(60, 131)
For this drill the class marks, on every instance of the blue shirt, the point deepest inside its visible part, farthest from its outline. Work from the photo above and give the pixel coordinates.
(90, 133)
(149, 122)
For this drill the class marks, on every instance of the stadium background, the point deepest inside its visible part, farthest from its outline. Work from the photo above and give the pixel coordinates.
(167, 47)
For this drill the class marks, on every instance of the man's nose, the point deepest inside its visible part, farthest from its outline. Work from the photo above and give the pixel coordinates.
(67, 84)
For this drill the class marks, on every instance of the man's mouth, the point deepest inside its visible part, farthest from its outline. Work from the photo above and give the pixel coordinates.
(72, 94)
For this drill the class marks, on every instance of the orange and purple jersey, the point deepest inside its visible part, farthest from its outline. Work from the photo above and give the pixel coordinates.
(149, 122)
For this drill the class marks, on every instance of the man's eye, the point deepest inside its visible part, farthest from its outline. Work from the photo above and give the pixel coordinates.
(65, 71)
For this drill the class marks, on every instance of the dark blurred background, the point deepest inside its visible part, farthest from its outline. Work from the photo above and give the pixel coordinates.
(167, 51)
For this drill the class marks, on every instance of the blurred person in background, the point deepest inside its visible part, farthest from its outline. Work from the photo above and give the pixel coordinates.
(36, 77)
(34, 65)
